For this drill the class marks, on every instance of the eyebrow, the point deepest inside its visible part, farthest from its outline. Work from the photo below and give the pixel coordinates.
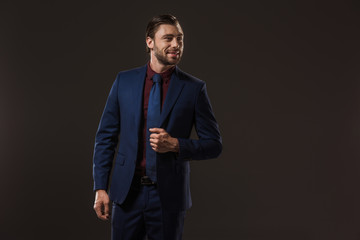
(172, 35)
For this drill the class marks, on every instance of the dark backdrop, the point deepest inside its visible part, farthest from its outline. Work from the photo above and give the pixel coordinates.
(283, 78)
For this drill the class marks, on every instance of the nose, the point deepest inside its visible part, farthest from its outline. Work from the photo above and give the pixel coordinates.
(175, 43)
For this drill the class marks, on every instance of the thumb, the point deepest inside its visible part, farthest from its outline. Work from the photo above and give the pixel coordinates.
(106, 210)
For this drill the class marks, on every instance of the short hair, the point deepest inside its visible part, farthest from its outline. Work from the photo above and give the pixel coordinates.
(155, 22)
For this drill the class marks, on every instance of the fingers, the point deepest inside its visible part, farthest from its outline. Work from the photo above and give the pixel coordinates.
(154, 135)
(154, 147)
(102, 210)
(155, 144)
(157, 130)
(106, 211)
(159, 140)
(98, 209)
(154, 140)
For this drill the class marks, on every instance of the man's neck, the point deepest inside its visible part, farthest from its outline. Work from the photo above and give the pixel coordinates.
(158, 67)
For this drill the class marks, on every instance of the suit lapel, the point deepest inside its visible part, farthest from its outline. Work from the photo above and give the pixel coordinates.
(175, 88)
(138, 90)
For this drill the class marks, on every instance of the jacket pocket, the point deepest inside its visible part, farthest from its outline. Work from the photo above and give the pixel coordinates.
(120, 159)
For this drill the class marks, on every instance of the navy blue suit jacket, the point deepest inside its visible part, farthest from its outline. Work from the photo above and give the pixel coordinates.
(186, 105)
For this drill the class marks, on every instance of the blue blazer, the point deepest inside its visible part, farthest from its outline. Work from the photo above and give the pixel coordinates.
(186, 105)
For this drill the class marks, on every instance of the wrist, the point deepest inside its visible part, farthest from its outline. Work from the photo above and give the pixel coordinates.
(101, 192)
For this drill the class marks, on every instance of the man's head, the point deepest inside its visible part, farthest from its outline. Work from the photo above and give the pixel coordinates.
(164, 39)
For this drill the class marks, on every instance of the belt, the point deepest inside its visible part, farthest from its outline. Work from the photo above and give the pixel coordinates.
(146, 181)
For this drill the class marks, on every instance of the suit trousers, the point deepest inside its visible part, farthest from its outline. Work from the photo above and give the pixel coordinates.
(141, 217)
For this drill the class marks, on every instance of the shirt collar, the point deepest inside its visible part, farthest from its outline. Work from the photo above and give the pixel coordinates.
(164, 75)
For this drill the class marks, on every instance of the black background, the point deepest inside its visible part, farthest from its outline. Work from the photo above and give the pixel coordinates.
(283, 79)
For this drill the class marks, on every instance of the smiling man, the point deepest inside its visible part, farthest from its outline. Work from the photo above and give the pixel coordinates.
(149, 115)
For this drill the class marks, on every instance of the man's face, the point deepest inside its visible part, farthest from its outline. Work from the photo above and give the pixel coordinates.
(167, 45)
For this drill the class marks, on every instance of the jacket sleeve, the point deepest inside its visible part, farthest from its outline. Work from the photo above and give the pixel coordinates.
(209, 144)
(106, 139)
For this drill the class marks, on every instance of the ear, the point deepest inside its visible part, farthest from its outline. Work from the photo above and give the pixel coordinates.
(150, 42)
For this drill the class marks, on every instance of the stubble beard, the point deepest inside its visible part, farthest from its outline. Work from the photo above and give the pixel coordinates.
(163, 59)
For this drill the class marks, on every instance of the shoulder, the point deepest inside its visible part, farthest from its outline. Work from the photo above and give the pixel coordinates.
(132, 72)
(188, 78)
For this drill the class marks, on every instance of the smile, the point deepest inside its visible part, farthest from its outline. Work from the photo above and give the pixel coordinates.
(173, 52)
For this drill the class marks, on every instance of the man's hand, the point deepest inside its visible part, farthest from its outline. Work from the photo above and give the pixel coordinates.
(162, 142)
(101, 205)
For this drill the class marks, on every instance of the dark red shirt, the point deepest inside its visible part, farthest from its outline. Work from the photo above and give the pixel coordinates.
(165, 76)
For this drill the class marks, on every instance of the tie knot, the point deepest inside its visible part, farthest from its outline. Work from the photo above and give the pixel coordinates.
(156, 78)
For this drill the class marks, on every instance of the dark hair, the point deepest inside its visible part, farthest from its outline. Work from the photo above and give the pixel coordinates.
(155, 22)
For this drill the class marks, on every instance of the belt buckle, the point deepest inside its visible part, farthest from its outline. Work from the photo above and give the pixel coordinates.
(146, 181)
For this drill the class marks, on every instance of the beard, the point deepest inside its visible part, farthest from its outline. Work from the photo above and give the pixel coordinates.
(163, 59)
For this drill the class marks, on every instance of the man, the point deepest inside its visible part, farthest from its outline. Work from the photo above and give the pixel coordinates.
(150, 113)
